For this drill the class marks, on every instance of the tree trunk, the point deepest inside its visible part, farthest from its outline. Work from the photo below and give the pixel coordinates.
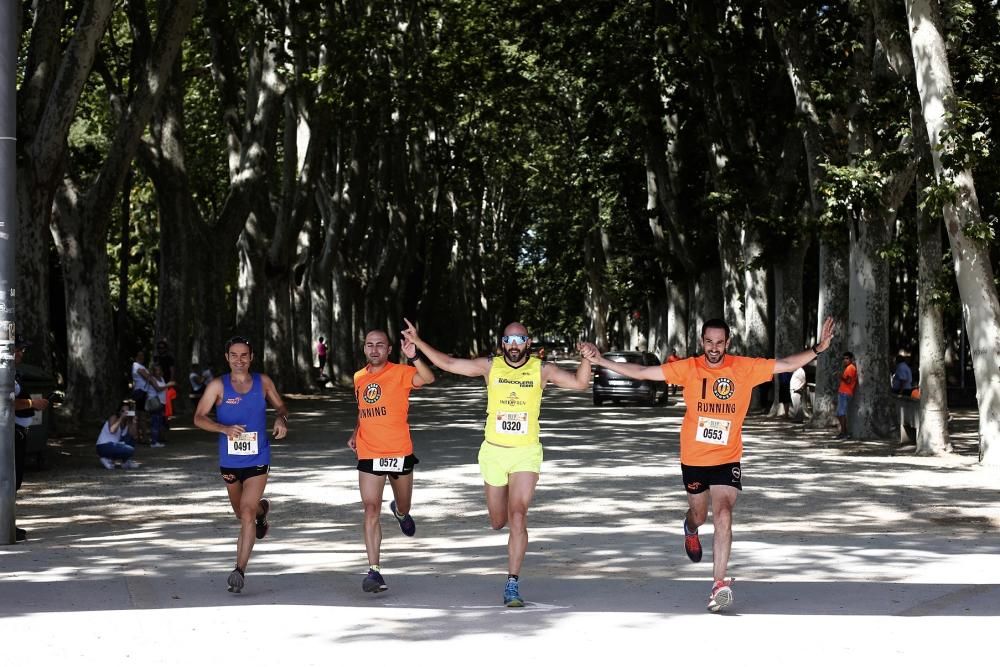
(788, 307)
(677, 319)
(870, 410)
(932, 437)
(963, 220)
(833, 302)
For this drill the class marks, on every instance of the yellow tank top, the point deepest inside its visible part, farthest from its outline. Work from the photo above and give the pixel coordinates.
(514, 399)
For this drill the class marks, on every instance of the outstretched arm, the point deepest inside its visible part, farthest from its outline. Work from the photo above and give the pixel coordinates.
(635, 371)
(468, 367)
(566, 380)
(799, 359)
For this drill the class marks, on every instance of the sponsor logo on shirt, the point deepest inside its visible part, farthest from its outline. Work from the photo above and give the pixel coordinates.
(235, 400)
(524, 384)
(512, 400)
(723, 388)
(372, 393)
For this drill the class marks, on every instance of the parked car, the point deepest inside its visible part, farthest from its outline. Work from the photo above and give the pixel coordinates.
(609, 385)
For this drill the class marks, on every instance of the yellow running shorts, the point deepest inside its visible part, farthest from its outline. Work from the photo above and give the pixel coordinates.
(497, 463)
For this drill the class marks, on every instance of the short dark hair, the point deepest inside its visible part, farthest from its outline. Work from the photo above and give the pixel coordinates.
(238, 339)
(715, 323)
(849, 355)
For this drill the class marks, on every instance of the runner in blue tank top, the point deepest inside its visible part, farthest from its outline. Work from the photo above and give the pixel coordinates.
(240, 400)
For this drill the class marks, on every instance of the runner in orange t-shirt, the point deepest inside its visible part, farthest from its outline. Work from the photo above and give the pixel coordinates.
(717, 390)
(382, 441)
(848, 383)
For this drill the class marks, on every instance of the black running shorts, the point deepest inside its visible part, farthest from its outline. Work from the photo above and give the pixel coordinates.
(698, 479)
(233, 475)
(369, 465)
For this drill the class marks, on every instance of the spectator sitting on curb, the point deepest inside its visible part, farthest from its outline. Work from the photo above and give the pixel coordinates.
(116, 443)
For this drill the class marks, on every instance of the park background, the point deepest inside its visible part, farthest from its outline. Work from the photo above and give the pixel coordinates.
(611, 171)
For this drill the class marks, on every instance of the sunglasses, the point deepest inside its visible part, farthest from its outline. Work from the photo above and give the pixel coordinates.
(515, 339)
(238, 340)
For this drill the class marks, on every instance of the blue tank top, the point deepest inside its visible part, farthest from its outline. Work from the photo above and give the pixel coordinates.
(250, 410)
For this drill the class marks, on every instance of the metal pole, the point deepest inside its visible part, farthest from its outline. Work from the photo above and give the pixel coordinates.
(8, 226)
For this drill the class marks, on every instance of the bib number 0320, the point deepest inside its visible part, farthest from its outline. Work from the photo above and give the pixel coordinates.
(515, 423)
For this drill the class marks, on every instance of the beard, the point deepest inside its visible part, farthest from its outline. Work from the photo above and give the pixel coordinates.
(514, 355)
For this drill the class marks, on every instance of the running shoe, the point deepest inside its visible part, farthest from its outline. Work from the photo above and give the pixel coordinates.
(262, 525)
(511, 596)
(130, 465)
(235, 581)
(406, 522)
(692, 544)
(107, 463)
(374, 583)
(722, 595)
(157, 445)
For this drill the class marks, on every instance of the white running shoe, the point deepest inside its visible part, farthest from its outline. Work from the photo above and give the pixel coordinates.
(157, 445)
(130, 465)
(107, 463)
(722, 595)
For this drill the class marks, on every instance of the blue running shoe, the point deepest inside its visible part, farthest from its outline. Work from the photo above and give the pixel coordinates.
(511, 596)
(406, 523)
(374, 583)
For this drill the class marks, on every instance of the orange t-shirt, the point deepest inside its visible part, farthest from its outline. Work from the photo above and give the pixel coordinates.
(848, 380)
(383, 408)
(717, 400)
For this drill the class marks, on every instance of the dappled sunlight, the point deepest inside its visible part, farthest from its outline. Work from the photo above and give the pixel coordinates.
(609, 498)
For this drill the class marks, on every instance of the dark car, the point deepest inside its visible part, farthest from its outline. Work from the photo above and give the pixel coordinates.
(609, 385)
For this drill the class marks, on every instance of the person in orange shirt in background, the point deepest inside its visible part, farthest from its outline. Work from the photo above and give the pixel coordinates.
(382, 441)
(717, 390)
(848, 383)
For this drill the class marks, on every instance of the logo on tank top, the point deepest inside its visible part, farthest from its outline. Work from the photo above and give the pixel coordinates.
(235, 400)
(372, 393)
(723, 389)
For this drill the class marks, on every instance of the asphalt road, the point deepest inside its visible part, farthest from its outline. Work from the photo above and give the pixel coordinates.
(842, 551)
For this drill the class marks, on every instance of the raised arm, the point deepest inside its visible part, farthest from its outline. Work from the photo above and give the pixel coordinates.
(635, 371)
(565, 379)
(799, 359)
(424, 373)
(467, 367)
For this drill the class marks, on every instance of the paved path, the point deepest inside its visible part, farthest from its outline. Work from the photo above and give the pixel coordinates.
(842, 551)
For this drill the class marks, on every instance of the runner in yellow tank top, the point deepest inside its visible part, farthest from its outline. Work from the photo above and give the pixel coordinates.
(510, 457)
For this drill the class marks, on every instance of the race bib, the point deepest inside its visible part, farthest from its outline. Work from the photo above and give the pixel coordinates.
(388, 464)
(713, 431)
(243, 445)
(514, 423)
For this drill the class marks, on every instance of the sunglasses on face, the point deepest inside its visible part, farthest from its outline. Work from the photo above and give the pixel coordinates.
(515, 339)
(238, 340)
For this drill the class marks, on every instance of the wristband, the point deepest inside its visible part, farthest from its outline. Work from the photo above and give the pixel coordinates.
(815, 351)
